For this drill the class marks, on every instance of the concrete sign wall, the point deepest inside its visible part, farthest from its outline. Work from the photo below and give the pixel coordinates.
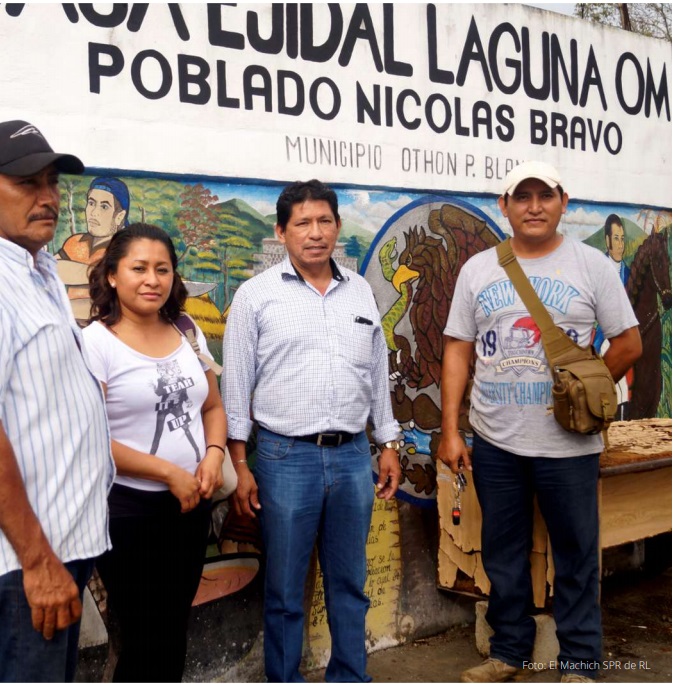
(401, 95)
(197, 114)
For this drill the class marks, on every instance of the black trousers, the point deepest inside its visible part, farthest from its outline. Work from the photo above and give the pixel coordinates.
(151, 576)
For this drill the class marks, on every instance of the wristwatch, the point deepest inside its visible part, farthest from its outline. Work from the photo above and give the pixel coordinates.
(394, 444)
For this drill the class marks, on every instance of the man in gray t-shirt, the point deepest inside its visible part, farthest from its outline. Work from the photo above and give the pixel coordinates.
(519, 449)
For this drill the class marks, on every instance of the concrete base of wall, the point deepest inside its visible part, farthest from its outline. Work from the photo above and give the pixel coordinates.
(545, 649)
(225, 640)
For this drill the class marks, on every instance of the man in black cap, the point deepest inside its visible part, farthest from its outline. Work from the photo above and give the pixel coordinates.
(55, 462)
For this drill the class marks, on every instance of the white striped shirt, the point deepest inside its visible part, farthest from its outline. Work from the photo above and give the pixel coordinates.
(52, 409)
(312, 363)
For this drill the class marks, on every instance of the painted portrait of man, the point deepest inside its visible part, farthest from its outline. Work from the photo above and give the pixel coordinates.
(615, 244)
(107, 210)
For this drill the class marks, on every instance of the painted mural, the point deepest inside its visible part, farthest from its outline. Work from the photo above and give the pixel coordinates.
(414, 286)
(192, 116)
(410, 247)
(412, 266)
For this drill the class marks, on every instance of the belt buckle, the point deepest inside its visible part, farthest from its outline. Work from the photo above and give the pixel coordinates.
(329, 434)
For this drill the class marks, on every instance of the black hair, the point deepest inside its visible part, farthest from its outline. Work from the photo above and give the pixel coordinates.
(105, 305)
(613, 218)
(300, 191)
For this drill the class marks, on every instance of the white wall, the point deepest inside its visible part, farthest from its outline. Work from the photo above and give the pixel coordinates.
(75, 80)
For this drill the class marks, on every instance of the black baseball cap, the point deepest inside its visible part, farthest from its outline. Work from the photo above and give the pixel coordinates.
(25, 151)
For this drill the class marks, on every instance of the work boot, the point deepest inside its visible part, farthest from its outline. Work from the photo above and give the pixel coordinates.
(574, 677)
(491, 670)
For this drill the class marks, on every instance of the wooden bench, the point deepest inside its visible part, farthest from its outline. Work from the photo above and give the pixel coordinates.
(634, 500)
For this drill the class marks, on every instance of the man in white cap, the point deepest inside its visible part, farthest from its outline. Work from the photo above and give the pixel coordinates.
(55, 462)
(519, 449)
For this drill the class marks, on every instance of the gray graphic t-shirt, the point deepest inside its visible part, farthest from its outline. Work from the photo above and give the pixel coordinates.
(511, 400)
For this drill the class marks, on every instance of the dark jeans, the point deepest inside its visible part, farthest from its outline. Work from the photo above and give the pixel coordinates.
(151, 576)
(568, 499)
(25, 655)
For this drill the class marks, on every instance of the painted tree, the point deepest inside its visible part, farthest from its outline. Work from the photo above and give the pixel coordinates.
(647, 18)
(72, 220)
(197, 219)
(353, 247)
(217, 245)
(234, 252)
(155, 201)
(68, 188)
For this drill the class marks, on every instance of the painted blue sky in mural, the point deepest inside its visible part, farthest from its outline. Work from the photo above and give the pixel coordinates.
(580, 221)
(370, 209)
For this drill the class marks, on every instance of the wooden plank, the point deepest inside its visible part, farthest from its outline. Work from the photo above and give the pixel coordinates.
(467, 535)
(637, 441)
(539, 557)
(466, 562)
(447, 570)
(481, 580)
(538, 571)
(540, 544)
(635, 506)
(550, 572)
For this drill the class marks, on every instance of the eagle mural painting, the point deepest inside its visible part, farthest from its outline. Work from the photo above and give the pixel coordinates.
(414, 289)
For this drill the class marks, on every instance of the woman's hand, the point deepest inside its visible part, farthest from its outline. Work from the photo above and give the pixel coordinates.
(184, 487)
(209, 473)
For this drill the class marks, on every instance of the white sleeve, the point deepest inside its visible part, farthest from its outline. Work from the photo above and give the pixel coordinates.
(97, 351)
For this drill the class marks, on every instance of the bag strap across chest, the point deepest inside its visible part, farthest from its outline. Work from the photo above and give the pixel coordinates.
(186, 327)
(557, 345)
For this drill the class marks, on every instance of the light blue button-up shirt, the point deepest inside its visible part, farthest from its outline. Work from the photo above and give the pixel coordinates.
(311, 363)
(52, 409)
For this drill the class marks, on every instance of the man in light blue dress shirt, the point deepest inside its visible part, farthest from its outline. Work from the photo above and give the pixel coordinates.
(55, 462)
(305, 358)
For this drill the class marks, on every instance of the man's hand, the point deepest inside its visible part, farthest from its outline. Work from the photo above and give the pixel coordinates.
(390, 474)
(452, 451)
(246, 496)
(52, 595)
(455, 371)
(51, 592)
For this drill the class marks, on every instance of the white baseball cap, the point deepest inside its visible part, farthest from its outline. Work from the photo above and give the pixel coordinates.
(531, 169)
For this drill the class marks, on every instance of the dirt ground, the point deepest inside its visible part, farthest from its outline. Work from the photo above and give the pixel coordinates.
(636, 642)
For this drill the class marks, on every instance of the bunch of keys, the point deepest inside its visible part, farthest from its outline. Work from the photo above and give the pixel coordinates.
(459, 487)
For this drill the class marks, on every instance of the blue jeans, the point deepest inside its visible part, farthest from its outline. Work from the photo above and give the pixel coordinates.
(567, 492)
(25, 655)
(309, 492)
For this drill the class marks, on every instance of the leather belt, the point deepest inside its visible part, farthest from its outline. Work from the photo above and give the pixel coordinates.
(327, 439)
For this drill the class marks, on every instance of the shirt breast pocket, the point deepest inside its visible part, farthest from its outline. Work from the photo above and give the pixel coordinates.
(356, 336)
